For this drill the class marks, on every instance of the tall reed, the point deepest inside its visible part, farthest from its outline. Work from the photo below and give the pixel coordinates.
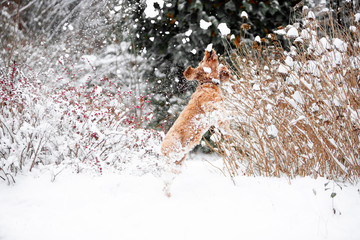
(296, 112)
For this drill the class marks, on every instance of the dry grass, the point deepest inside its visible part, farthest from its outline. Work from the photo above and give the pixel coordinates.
(296, 112)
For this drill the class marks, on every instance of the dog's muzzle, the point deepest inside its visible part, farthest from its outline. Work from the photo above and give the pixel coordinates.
(211, 80)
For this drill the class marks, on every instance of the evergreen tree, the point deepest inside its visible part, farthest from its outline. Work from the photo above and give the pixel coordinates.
(175, 38)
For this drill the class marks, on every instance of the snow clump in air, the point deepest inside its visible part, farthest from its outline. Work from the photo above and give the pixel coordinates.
(209, 47)
(244, 15)
(150, 11)
(188, 33)
(204, 25)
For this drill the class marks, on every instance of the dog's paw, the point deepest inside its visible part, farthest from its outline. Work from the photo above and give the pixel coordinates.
(166, 190)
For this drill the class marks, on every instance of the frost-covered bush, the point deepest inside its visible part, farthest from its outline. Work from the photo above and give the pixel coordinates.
(85, 127)
(84, 35)
(297, 112)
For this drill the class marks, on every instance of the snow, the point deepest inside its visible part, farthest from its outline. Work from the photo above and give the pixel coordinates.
(244, 15)
(256, 87)
(311, 15)
(305, 9)
(150, 11)
(216, 81)
(272, 131)
(209, 47)
(298, 40)
(325, 43)
(204, 25)
(289, 61)
(127, 201)
(283, 69)
(357, 17)
(339, 44)
(297, 96)
(207, 69)
(117, 8)
(188, 32)
(204, 205)
(280, 32)
(292, 33)
(352, 29)
(305, 34)
(224, 29)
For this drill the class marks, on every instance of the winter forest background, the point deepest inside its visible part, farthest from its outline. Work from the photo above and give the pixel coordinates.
(97, 83)
(90, 87)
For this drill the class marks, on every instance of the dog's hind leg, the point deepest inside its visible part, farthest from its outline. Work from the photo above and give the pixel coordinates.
(170, 172)
(172, 169)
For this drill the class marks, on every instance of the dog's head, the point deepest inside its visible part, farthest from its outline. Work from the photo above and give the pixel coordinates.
(208, 70)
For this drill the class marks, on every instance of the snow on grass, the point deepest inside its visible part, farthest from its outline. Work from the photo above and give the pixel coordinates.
(283, 69)
(272, 131)
(292, 33)
(357, 17)
(204, 205)
(280, 32)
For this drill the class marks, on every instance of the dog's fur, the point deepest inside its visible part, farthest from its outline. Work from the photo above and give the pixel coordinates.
(205, 109)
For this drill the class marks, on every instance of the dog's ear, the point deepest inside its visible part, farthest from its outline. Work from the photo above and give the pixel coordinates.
(190, 73)
(207, 55)
(224, 74)
(210, 56)
(213, 55)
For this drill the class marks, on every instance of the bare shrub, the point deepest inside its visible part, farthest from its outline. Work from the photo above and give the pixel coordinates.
(296, 112)
(84, 127)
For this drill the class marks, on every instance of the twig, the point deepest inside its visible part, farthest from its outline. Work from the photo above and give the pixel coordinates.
(7, 178)
(36, 153)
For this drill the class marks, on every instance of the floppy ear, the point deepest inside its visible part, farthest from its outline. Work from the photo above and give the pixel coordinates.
(224, 74)
(190, 73)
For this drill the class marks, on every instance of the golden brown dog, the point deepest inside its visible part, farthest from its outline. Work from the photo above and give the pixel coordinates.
(205, 109)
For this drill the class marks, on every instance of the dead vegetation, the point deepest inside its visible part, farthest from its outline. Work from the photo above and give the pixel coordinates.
(296, 112)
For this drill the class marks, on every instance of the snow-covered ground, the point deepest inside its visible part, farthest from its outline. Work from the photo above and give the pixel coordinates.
(204, 205)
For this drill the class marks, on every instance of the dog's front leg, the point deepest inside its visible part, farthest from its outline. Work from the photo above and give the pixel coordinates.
(225, 131)
(224, 127)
